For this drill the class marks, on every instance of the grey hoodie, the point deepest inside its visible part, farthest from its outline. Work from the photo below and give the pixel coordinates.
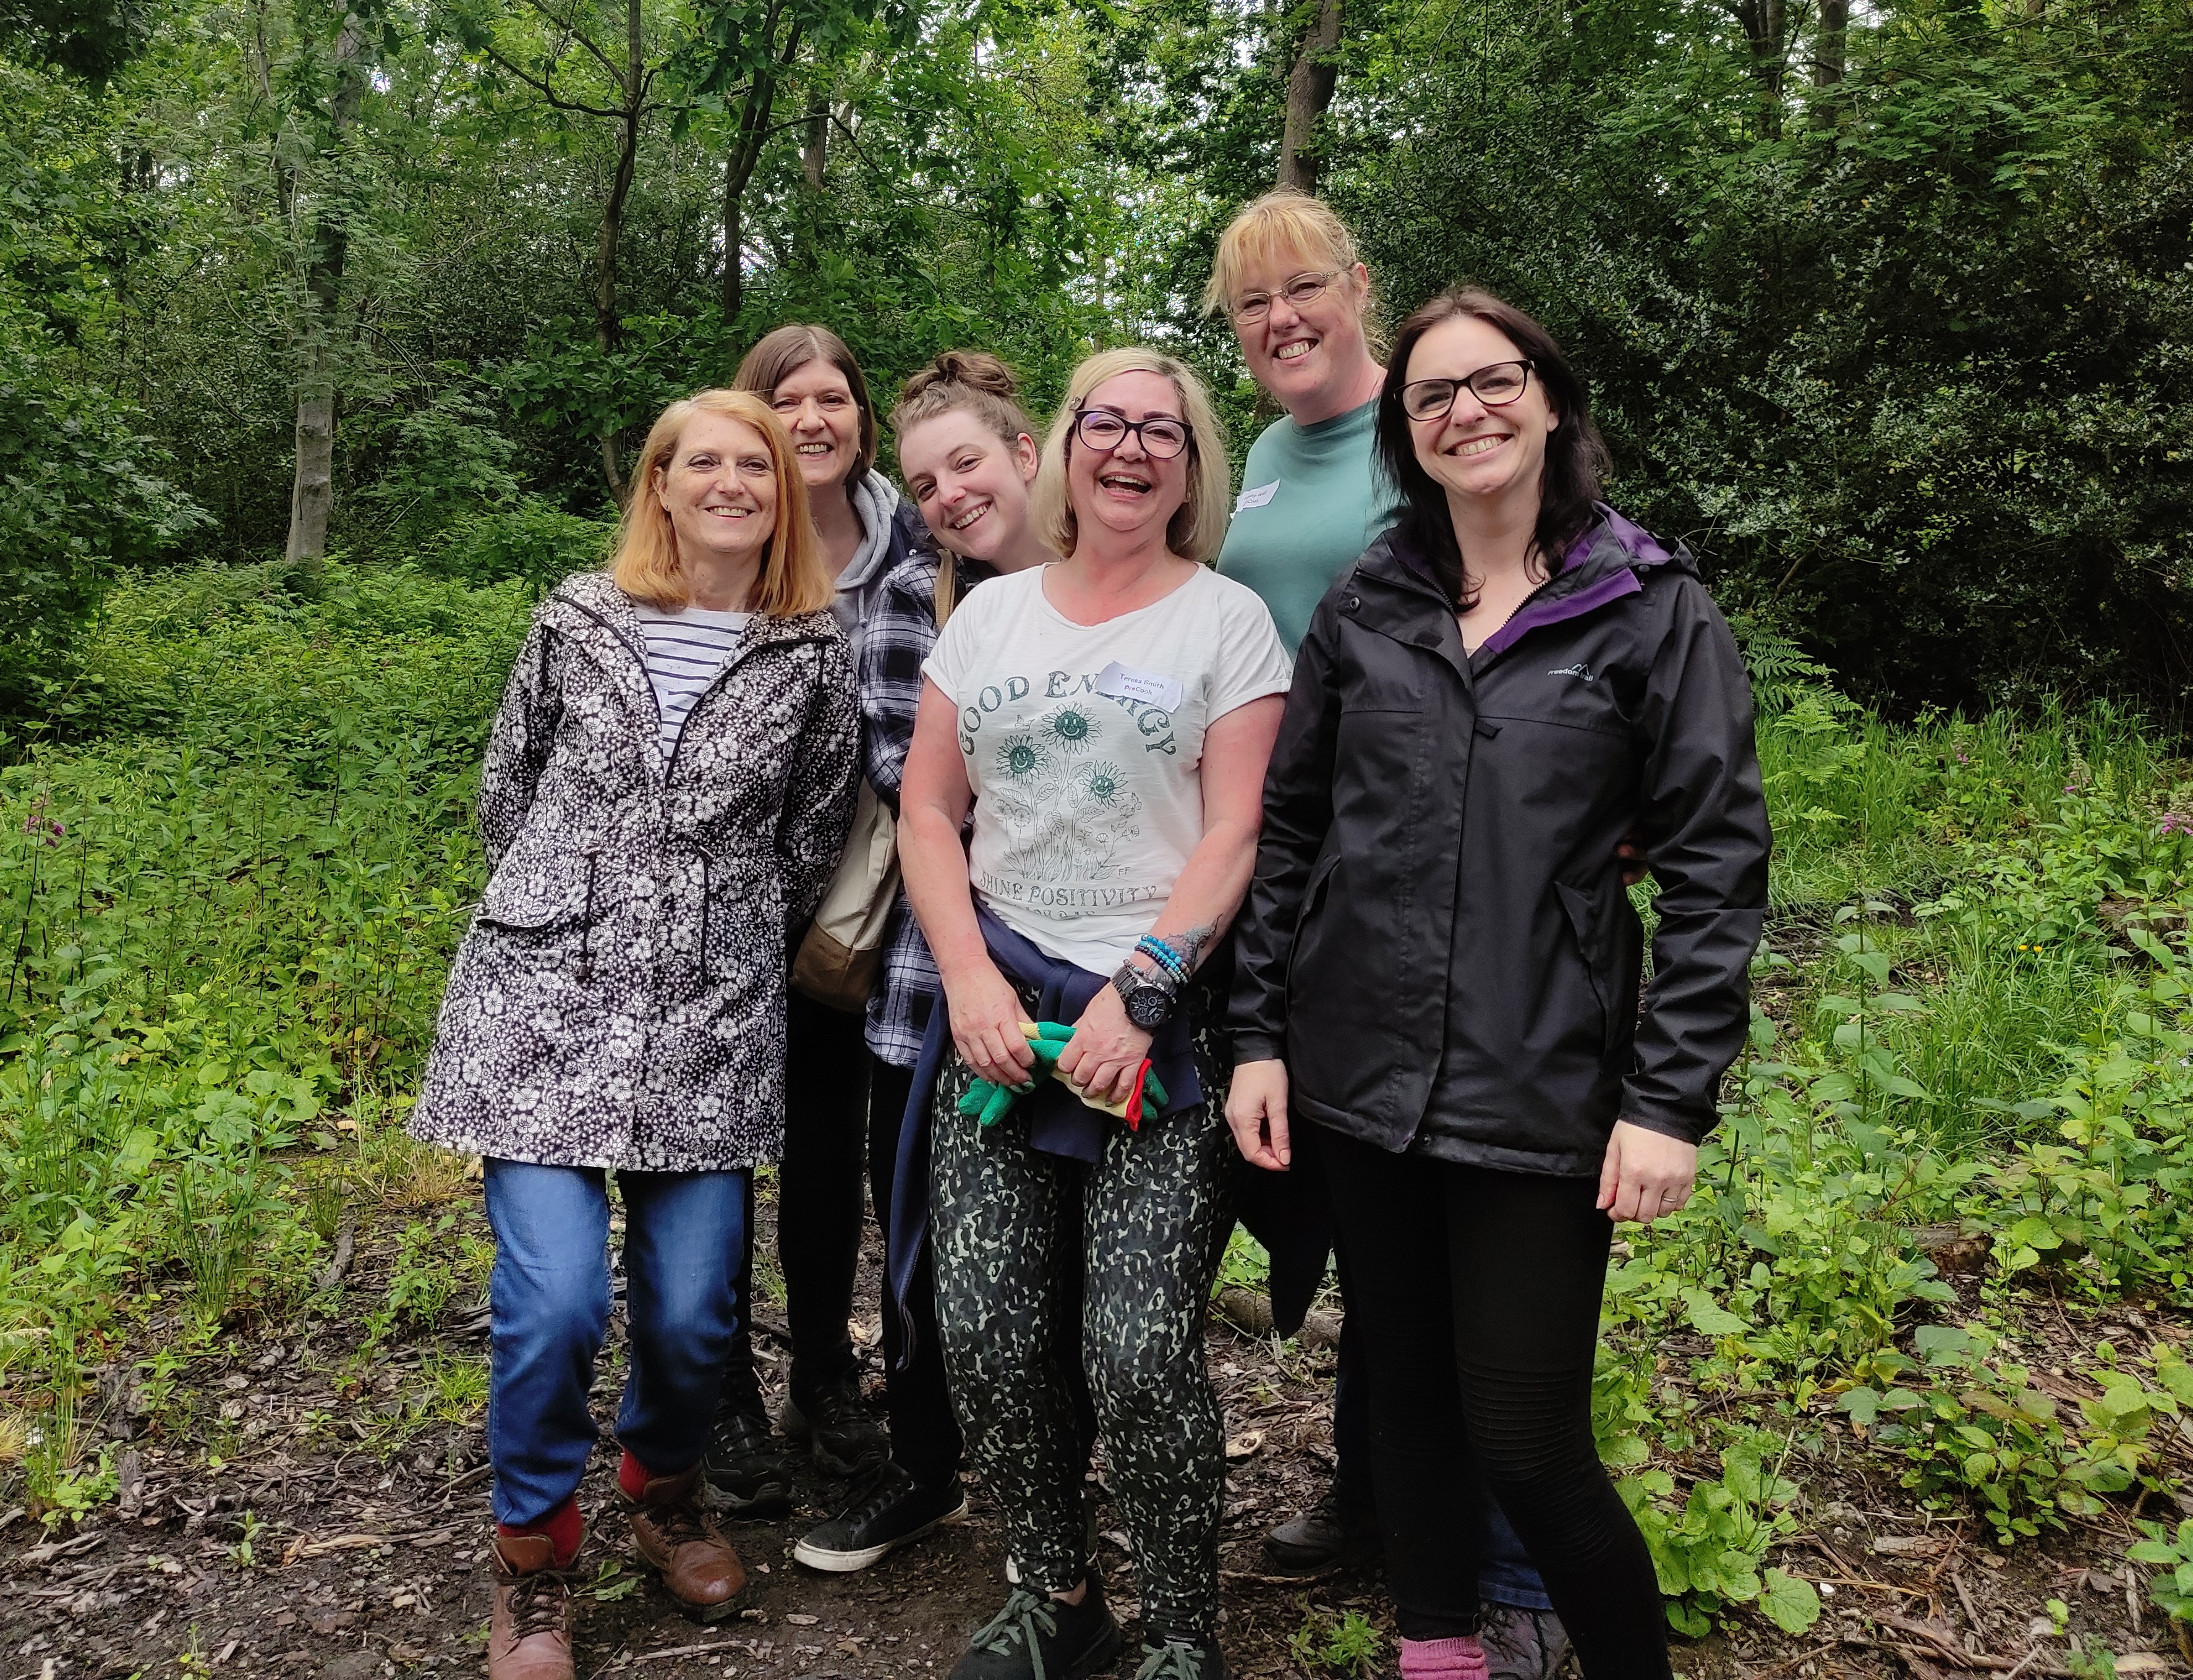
(886, 531)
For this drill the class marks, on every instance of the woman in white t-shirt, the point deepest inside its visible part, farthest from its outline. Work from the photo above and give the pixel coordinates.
(1107, 717)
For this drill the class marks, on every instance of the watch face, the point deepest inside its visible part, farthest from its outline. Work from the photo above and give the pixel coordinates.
(1147, 1008)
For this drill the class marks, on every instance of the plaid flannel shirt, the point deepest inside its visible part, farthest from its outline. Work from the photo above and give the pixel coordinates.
(897, 636)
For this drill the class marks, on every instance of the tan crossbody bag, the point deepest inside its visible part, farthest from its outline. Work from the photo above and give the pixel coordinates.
(838, 959)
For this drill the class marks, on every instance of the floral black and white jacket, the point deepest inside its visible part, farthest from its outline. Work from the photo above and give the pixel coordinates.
(619, 998)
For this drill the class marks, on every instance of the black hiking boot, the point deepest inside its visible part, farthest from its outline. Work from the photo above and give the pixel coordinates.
(746, 1469)
(1332, 1532)
(836, 1427)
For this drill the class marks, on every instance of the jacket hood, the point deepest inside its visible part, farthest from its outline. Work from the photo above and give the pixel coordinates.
(875, 500)
(1602, 565)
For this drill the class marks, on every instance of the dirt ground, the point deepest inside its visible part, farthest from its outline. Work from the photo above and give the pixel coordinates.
(300, 1510)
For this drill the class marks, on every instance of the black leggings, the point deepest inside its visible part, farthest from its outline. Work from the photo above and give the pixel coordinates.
(818, 1204)
(1478, 1293)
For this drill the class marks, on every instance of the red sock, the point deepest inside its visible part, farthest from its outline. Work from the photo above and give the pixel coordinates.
(561, 1525)
(634, 1477)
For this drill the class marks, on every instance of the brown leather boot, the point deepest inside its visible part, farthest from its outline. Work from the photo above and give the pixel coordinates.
(530, 1635)
(674, 1534)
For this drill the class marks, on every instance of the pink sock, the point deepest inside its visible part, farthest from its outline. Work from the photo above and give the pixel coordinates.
(1458, 1659)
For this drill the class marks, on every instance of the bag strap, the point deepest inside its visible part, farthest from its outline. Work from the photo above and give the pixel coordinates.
(947, 585)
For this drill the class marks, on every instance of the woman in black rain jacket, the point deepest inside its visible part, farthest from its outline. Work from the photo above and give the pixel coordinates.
(1439, 967)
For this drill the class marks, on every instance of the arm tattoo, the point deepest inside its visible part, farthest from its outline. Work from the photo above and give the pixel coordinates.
(1190, 942)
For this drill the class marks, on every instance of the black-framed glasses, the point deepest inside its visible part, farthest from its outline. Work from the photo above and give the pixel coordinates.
(1161, 435)
(1300, 292)
(1496, 386)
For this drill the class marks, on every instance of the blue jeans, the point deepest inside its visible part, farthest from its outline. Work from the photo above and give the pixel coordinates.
(548, 1301)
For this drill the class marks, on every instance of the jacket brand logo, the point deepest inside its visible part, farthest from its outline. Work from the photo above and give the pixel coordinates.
(1579, 669)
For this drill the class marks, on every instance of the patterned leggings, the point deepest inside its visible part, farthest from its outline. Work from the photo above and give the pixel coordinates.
(1152, 1218)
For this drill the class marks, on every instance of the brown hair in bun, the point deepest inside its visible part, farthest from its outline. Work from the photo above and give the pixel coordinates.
(972, 380)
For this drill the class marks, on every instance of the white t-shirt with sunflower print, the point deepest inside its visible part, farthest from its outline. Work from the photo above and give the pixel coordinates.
(1084, 744)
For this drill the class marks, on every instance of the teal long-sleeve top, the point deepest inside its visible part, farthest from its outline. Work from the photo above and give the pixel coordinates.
(1312, 500)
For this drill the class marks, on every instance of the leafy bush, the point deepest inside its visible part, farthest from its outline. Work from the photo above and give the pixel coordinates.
(80, 490)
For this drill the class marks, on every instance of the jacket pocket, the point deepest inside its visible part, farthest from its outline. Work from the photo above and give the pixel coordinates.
(538, 890)
(1320, 878)
(1593, 927)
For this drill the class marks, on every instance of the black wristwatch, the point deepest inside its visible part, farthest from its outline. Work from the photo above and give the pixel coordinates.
(1149, 1000)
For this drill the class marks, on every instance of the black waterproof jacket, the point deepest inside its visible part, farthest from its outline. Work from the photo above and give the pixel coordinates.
(1437, 941)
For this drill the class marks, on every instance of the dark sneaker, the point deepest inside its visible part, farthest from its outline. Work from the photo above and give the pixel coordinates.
(886, 1512)
(1037, 1637)
(1324, 1536)
(836, 1427)
(746, 1467)
(1522, 1644)
(1183, 1659)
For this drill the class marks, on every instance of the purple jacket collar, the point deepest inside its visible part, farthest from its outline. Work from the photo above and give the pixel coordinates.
(1599, 567)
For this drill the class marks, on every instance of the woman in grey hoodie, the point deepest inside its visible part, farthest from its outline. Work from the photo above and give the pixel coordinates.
(810, 379)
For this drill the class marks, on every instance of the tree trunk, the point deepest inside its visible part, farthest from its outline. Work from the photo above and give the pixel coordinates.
(739, 167)
(1309, 94)
(1764, 23)
(735, 274)
(814, 165)
(608, 327)
(1830, 47)
(312, 495)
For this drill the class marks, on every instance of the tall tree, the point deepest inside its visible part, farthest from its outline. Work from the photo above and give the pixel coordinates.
(1310, 84)
(312, 496)
(614, 38)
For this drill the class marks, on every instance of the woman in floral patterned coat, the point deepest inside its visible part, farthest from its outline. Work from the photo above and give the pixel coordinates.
(667, 791)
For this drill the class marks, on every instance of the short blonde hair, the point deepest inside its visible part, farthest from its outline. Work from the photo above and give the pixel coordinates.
(793, 578)
(1199, 526)
(1287, 224)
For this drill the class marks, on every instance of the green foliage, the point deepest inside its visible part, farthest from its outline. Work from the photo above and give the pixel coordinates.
(226, 929)
(1708, 1551)
(2172, 1555)
(1900, 350)
(1345, 1644)
(80, 490)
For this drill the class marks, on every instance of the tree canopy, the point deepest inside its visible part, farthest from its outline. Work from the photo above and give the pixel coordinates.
(1887, 310)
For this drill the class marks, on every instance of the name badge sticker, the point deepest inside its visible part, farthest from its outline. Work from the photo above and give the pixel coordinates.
(1256, 498)
(1117, 682)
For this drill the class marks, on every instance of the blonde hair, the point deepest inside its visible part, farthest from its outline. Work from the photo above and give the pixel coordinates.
(1285, 225)
(793, 579)
(1199, 525)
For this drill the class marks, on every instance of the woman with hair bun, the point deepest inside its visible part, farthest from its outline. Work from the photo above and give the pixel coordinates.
(967, 453)
(1106, 719)
(666, 789)
(1438, 968)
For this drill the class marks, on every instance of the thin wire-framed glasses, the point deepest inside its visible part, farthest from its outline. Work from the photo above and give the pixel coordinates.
(1162, 437)
(1496, 386)
(1300, 292)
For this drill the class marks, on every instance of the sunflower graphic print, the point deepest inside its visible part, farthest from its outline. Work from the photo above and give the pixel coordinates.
(1083, 747)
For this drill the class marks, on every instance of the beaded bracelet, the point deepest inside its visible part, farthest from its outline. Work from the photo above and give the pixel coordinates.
(1158, 951)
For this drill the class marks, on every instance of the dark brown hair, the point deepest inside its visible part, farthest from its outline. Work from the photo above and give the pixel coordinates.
(1576, 456)
(782, 353)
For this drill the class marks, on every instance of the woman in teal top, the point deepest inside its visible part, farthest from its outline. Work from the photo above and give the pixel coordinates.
(1288, 277)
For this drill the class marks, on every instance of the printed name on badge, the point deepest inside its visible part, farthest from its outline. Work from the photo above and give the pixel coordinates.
(1116, 682)
(1258, 497)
